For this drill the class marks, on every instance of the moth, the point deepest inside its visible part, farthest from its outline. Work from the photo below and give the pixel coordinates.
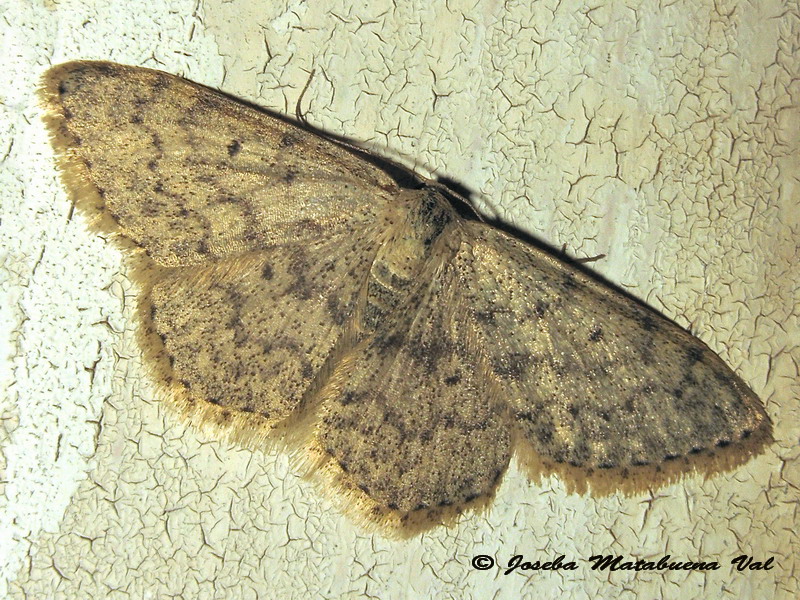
(292, 290)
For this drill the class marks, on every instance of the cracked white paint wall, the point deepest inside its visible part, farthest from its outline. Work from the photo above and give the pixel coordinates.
(664, 137)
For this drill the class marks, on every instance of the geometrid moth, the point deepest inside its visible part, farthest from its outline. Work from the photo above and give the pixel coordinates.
(293, 291)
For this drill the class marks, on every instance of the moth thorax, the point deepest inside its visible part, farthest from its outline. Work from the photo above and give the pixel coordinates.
(411, 249)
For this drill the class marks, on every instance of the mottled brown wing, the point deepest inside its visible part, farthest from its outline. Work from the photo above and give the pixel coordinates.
(248, 336)
(417, 423)
(594, 379)
(268, 232)
(190, 174)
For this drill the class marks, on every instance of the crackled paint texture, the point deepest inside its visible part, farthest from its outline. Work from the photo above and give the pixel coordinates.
(665, 138)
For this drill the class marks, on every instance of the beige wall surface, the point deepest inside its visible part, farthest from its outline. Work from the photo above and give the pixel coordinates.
(663, 135)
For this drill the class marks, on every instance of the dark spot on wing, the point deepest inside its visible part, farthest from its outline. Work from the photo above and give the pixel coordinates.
(234, 148)
(300, 288)
(497, 474)
(569, 282)
(307, 370)
(160, 82)
(453, 379)
(648, 323)
(429, 354)
(337, 313)
(288, 140)
(540, 308)
(693, 355)
(486, 317)
(309, 226)
(513, 365)
(349, 398)
(544, 433)
(391, 342)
